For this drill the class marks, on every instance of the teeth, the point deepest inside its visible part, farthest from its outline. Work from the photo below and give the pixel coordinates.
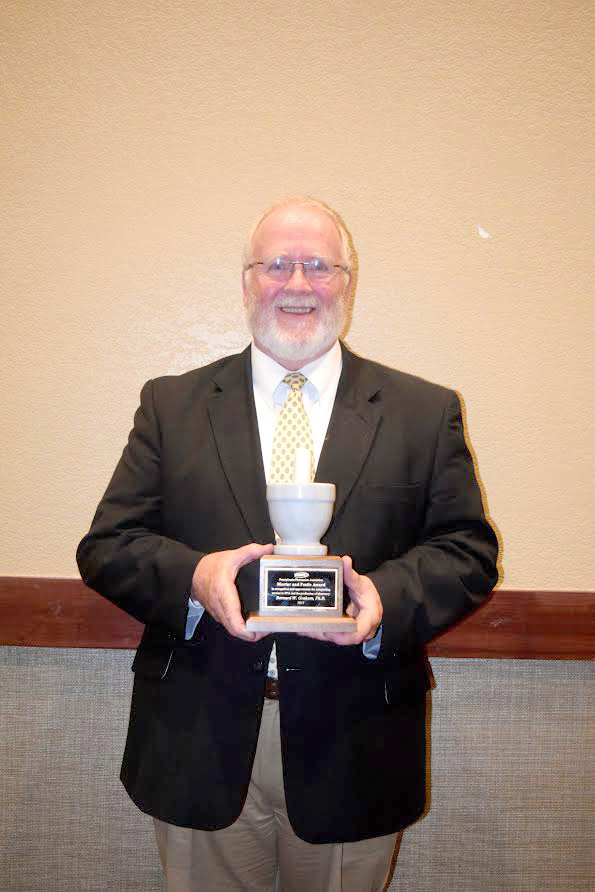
(296, 309)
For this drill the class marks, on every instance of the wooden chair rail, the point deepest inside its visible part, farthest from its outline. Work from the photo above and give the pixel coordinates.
(549, 625)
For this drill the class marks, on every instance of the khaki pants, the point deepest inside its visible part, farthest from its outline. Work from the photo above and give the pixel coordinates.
(260, 852)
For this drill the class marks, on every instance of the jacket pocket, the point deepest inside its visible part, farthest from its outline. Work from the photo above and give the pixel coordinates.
(392, 492)
(153, 661)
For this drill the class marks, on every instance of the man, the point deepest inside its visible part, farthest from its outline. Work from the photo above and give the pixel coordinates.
(286, 759)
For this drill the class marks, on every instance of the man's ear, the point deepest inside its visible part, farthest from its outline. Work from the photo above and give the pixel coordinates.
(245, 285)
(349, 289)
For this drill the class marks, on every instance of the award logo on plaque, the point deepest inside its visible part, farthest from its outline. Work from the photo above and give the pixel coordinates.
(301, 586)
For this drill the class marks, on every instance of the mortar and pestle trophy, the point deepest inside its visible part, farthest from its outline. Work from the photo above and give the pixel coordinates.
(301, 586)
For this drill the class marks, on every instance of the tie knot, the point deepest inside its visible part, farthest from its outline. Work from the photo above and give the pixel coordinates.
(295, 380)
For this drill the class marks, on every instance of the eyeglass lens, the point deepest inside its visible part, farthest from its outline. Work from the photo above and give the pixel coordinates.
(314, 267)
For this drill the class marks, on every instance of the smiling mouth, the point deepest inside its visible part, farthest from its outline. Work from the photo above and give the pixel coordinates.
(297, 310)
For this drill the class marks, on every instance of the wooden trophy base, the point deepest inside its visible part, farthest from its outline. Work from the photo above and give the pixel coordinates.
(299, 624)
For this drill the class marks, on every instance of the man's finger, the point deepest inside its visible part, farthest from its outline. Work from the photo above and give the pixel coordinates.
(251, 552)
(351, 577)
(231, 614)
(343, 638)
(318, 636)
(365, 631)
(233, 621)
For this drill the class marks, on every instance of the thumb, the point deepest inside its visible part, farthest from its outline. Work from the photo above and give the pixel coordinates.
(350, 576)
(251, 552)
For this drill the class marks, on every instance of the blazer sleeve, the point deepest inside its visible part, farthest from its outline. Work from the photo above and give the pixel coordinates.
(452, 567)
(125, 556)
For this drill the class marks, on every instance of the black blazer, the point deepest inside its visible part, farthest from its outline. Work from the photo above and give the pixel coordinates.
(408, 511)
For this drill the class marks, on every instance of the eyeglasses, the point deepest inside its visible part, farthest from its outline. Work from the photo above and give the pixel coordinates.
(316, 269)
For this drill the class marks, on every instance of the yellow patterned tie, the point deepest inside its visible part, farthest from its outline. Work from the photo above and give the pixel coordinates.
(292, 430)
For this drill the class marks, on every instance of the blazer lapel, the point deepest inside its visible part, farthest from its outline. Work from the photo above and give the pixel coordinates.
(352, 427)
(351, 431)
(235, 427)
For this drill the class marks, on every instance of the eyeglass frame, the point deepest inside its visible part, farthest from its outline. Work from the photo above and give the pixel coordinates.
(304, 263)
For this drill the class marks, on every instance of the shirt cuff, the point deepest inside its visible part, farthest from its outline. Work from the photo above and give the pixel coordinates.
(195, 612)
(371, 648)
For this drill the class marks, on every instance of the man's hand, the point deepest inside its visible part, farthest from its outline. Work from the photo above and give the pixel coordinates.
(365, 607)
(213, 584)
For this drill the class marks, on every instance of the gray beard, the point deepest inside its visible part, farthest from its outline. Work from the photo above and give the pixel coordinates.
(293, 346)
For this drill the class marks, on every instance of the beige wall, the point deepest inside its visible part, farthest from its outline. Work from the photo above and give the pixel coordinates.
(142, 137)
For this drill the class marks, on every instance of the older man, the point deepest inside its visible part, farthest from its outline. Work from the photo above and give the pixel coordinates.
(286, 761)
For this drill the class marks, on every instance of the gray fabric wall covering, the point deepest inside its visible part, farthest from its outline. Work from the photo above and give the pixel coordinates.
(66, 822)
(511, 768)
(512, 773)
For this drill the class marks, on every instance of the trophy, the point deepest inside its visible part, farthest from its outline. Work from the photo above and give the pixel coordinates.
(301, 586)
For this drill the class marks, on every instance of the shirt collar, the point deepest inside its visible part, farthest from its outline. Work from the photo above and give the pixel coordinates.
(268, 374)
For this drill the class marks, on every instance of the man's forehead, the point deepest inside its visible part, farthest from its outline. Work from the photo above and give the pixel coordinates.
(295, 223)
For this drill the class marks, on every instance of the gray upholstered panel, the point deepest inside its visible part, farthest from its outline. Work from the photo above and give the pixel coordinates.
(512, 779)
(66, 822)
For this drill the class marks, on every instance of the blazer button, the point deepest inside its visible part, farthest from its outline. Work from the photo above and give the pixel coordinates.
(258, 666)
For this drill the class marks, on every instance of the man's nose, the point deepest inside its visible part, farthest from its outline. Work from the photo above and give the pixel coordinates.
(298, 281)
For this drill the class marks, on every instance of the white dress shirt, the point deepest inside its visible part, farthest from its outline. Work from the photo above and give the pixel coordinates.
(318, 396)
(270, 393)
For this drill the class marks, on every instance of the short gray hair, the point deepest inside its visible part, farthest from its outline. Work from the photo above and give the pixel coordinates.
(347, 248)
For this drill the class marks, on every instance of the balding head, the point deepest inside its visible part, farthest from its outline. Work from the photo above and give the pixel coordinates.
(347, 255)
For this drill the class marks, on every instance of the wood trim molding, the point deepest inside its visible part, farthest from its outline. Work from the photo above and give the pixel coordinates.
(547, 625)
